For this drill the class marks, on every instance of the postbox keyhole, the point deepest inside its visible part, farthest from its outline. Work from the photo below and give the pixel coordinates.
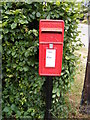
(50, 45)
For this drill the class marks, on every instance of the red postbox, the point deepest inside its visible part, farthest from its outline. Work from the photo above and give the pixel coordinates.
(51, 35)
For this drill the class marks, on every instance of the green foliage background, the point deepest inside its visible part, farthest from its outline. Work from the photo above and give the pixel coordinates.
(23, 88)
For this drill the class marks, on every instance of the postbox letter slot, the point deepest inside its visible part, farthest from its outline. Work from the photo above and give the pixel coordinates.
(51, 30)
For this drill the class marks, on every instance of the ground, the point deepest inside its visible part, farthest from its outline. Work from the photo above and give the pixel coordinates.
(76, 90)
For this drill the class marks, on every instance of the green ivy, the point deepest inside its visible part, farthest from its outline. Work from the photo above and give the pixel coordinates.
(22, 94)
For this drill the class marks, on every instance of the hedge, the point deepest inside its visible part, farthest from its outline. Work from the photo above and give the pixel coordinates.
(23, 94)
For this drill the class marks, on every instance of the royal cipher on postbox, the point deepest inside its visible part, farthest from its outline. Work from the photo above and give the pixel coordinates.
(51, 35)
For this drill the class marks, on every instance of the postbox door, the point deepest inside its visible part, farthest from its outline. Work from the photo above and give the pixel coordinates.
(50, 66)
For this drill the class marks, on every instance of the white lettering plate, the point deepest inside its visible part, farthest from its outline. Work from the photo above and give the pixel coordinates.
(50, 57)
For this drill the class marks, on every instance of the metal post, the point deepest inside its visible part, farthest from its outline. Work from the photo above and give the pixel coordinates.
(49, 87)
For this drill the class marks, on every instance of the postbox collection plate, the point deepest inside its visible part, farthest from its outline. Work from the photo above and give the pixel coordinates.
(51, 35)
(50, 57)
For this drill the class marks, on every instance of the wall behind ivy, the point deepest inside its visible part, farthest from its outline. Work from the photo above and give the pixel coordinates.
(23, 89)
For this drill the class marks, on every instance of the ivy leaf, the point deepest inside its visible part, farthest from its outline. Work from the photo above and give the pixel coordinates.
(23, 21)
(5, 31)
(58, 2)
(25, 69)
(18, 113)
(13, 25)
(58, 93)
(35, 32)
(9, 12)
(13, 53)
(13, 107)
(67, 58)
(6, 109)
(26, 53)
(38, 14)
(48, 17)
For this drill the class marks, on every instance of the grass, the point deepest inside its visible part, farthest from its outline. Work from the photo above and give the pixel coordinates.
(74, 96)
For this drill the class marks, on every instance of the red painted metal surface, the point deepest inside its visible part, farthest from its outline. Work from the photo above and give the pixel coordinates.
(51, 33)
